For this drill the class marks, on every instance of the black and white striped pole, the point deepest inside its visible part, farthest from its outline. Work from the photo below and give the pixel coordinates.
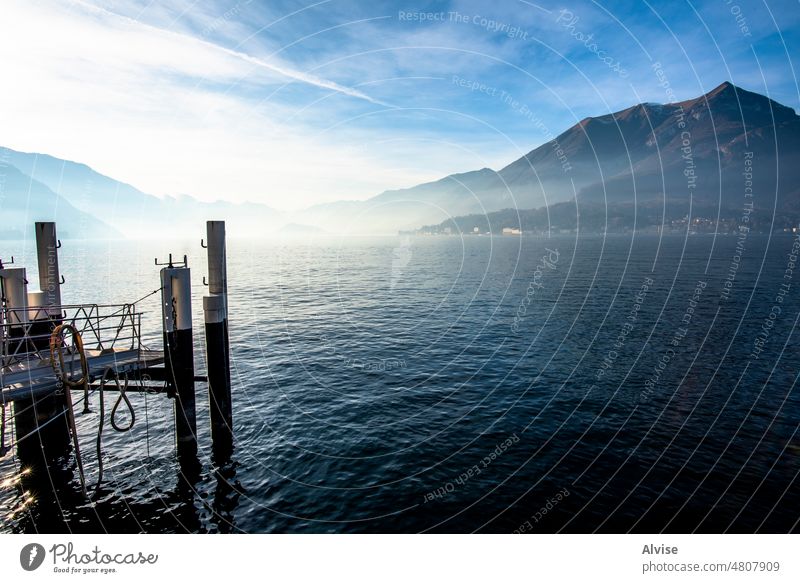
(215, 306)
(176, 303)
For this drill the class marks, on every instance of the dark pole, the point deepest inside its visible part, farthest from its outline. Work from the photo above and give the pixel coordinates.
(47, 245)
(43, 417)
(215, 306)
(46, 320)
(176, 301)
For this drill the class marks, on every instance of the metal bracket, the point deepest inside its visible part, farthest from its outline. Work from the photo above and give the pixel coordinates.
(170, 264)
(63, 281)
(58, 243)
(205, 283)
(203, 244)
(7, 262)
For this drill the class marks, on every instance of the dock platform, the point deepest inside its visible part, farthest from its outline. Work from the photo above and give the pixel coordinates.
(49, 349)
(35, 378)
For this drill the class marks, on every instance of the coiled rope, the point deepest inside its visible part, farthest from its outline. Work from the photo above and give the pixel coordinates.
(57, 348)
(57, 345)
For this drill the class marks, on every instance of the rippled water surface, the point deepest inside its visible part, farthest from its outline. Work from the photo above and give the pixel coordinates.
(449, 384)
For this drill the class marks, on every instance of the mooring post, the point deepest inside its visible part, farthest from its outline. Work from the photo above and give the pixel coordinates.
(46, 320)
(176, 303)
(215, 306)
(14, 289)
(43, 418)
(47, 245)
(51, 409)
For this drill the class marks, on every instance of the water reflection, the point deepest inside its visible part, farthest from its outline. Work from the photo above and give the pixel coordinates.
(49, 499)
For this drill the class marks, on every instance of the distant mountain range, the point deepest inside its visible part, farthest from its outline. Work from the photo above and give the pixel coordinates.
(24, 200)
(658, 156)
(106, 206)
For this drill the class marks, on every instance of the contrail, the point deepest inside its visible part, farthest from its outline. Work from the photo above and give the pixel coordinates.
(286, 72)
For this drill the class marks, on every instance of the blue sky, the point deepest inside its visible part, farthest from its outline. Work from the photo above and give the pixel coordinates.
(297, 103)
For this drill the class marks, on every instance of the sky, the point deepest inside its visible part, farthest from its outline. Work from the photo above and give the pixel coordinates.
(297, 103)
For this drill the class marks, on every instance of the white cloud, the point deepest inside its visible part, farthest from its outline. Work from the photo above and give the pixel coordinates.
(145, 106)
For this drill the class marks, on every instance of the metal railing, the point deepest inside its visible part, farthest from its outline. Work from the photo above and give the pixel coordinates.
(25, 345)
(25, 332)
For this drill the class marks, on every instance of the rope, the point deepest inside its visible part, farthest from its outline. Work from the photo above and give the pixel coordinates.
(123, 396)
(59, 366)
(155, 291)
(57, 347)
(110, 373)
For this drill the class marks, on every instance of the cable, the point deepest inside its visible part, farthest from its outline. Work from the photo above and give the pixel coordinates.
(110, 373)
(155, 291)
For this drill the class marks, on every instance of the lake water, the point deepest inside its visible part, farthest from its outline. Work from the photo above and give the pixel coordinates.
(492, 384)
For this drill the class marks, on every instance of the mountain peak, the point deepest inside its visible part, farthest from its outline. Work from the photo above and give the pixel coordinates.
(728, 96)
(727, 91)
(725, 86)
